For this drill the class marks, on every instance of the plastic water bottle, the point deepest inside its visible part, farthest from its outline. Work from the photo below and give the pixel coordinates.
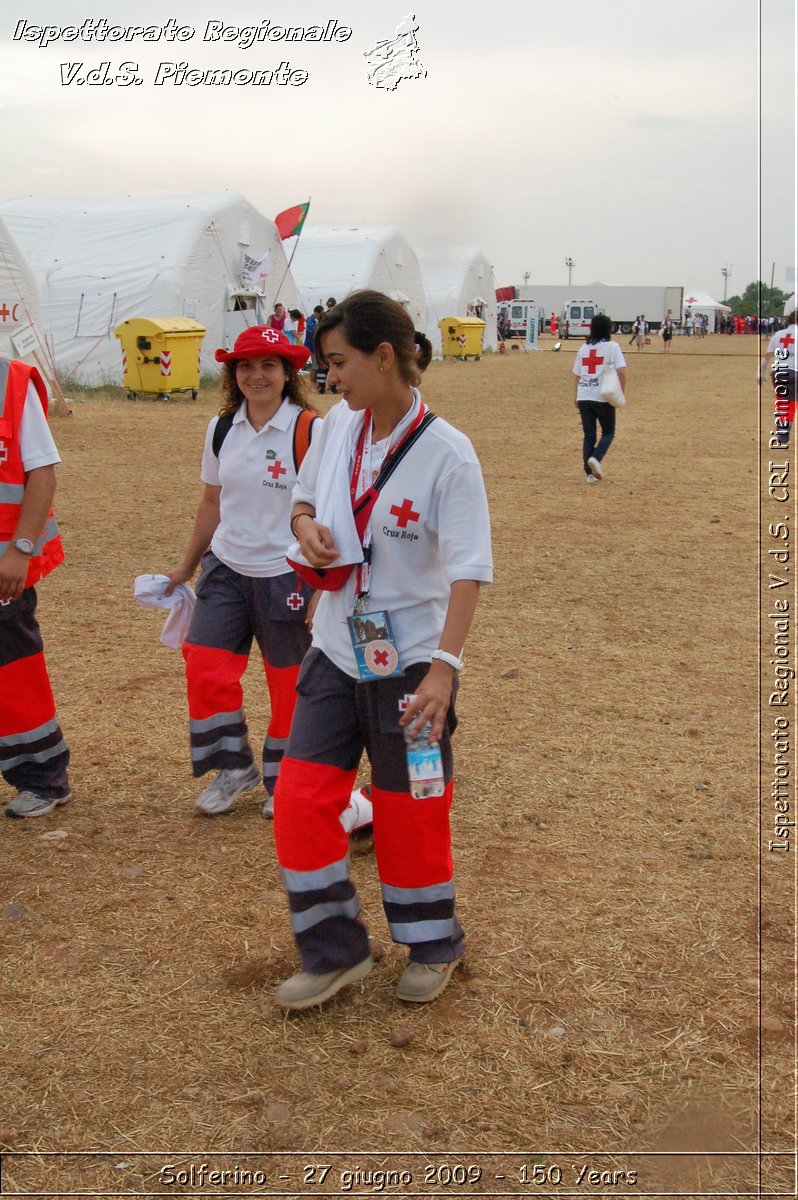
(424, 764)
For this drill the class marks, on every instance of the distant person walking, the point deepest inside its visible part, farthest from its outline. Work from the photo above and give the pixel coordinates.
(667, 334)
(592, 360)
(640, 332)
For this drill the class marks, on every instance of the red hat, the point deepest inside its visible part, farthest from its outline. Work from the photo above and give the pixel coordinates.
(261, 341)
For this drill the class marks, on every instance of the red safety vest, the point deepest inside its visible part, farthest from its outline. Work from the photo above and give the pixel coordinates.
(14, 379)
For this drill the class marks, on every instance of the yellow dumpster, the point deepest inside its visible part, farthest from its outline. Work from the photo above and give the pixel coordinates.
(461, 337)
(160, 355)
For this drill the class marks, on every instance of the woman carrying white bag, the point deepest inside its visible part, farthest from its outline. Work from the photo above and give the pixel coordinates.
(600, 370)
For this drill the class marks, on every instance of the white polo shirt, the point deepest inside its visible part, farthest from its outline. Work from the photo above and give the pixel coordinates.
(590, 364)
(430, 527)
(782, 345)
(256, 474)
(37, 446)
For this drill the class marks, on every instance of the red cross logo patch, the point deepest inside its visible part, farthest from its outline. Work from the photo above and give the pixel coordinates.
(295, 601)
(592, 360)
(787, 341)
(404, 513)
(276, 470)
(271, 335)
(381, 658)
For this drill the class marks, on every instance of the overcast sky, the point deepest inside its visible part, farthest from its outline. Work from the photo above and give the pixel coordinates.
(623, 136)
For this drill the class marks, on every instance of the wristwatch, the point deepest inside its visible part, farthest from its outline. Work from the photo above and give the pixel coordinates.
(454, 662)
(25, 546)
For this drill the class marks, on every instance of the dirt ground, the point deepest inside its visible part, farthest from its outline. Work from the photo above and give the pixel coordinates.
(605, 829)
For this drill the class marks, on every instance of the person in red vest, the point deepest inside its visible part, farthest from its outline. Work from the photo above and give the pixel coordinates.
(553, 325)
(33, 754)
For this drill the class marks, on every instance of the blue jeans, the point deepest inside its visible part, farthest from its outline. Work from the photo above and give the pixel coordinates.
(593, 413)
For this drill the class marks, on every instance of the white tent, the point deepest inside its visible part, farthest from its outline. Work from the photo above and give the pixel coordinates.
(20, 323)
(332, 260)
(99, 262)
(702, 303)
(459, 283)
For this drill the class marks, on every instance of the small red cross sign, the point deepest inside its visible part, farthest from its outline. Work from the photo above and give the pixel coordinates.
(271, 335)
(404, 703)
(592, 361)
(276, 470)
(787, 341)
(5, 311)
(381, 658)
(3, 452)
(295, 601)
(404, 513)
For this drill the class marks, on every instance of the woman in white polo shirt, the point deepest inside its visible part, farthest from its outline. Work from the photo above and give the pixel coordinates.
(420, 558)
(592, 359)
(246, 589)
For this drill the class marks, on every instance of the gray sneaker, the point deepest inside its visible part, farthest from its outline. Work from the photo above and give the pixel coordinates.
(422, 982)
(268, 808)
(30, 804)
(219, 797)
(304, 990)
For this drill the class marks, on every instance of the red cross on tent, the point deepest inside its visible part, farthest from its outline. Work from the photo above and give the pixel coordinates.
(404, 513)
(276, 469)
(786, 341)
(592, 360)
(295, 601)
(691, 300)
(5, 311)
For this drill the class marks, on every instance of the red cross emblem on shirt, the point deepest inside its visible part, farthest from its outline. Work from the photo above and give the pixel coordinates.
(404, 513)
(295, 601)
(787, 341)
(276, 470)
(592, 360)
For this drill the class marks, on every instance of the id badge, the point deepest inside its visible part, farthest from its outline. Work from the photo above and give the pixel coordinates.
(373, 642)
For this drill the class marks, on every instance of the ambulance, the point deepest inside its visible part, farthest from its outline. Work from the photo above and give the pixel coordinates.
(575, 318)
(517, 313)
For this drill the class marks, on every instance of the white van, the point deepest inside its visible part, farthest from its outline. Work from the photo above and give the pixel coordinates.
(518, 313)
(575, 318)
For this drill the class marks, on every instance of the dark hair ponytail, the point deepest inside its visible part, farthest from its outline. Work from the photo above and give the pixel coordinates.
(369, 318)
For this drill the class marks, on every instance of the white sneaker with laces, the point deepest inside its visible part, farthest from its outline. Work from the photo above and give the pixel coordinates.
(595, 467)
(30, 804)
(219, 797)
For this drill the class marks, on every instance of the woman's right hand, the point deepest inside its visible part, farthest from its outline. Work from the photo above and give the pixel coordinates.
(316, 542)
(179, 575)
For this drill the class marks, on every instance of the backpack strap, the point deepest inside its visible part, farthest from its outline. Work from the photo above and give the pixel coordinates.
(223, 427)
(303, 433)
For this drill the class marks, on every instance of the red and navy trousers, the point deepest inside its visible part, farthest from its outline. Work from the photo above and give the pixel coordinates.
(231, 610)
(336, 718)
(33, 753)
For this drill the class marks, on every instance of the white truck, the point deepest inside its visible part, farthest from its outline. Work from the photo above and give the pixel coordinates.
(518, 313)
(621, 303)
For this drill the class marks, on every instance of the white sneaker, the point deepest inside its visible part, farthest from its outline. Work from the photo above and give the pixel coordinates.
(268, 808)
(595, 467)
(219, 797)
(590, 479)
(358, 812)
(30, 804)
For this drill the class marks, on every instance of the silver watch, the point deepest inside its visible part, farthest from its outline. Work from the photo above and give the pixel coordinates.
(25, 546)
(454, 662)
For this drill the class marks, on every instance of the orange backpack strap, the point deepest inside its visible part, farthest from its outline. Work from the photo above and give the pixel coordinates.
(303, 432)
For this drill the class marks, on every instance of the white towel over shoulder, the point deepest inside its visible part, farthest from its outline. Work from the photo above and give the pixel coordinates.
(150, 592)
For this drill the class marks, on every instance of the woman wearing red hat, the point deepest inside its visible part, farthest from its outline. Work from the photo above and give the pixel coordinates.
(245, 589)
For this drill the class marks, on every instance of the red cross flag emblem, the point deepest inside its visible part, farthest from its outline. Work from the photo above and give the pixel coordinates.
(404, 513)
(592, 360)
(276, 469)
(271, 335)
(381, 658)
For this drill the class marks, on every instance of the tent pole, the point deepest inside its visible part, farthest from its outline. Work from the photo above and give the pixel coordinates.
(61, 401)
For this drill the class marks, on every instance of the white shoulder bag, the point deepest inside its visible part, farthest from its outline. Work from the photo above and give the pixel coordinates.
(610, 387)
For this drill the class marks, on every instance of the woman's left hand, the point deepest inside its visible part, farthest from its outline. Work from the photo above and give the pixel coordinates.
(433, 697)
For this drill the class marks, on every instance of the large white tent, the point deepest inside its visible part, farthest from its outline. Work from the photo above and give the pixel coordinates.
(459, 283)
(333, 260)
(211, 257)
(20, 323)
(698, 302)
